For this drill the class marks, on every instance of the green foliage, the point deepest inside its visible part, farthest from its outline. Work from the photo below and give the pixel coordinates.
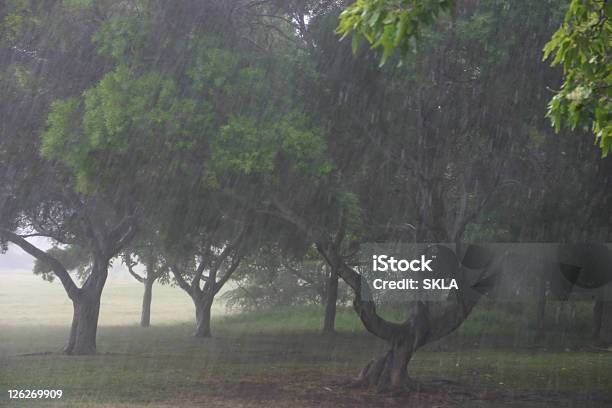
(118, 121)
(123, 36)
(271, 278)
(62, 134)
(390, 24)
(221, 109)
(246, 146)
(15, 17)
(581, 46)
(259, 120)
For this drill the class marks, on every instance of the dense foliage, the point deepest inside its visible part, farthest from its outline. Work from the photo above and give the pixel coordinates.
(581, 46)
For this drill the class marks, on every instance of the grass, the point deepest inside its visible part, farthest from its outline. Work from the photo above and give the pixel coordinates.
(276, 358)
(164, 365)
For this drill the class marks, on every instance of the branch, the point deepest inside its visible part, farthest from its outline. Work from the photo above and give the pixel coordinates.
(301, 276)
(88, 228)
(123, 240)
(198, 275)
(228, 274)
(60, 271)
(130, 265)
(180, 280)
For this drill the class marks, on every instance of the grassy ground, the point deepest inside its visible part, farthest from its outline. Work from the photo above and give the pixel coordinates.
(164, 366)
(277, 358)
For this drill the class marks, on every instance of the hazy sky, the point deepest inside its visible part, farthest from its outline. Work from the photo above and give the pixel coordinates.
(17, 260)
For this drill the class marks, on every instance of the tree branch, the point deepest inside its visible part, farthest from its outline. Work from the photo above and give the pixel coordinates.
(227, 275)
(127, 261)
(60, 271)
(180, 280)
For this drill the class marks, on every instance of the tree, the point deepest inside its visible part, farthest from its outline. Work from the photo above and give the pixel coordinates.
(203, 273)
(42, 198)
(146, 252)
(75, 220)
(271, 277)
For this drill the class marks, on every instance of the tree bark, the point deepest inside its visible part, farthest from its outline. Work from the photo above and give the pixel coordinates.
(86, 304)
(390, 371)
(145, 317)
(331, 298)
(203, 314)
(602, 322)
(82, 340)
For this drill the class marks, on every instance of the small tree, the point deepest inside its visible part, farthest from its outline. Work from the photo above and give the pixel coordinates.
(148, 254)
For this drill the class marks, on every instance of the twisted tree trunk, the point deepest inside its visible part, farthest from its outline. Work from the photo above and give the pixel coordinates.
(429, 322)
(389, 372)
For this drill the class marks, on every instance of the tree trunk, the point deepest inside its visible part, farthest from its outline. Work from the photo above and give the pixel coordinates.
(331, 297)
(86, 306)
(145, 317)
(602, 322)
(540, 305)
(82, 338)
(203, 313)
(430, 321)
(597, 318)
(390, 371)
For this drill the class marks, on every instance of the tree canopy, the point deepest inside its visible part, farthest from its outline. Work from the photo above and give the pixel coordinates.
(581, 46)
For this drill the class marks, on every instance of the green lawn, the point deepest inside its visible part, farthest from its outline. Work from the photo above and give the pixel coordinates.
(246, 365)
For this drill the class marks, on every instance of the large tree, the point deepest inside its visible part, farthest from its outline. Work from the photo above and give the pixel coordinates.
(49, 55)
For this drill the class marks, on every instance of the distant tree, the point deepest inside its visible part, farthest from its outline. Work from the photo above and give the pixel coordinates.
(148, 253)
(269, 278)
(203, 271)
